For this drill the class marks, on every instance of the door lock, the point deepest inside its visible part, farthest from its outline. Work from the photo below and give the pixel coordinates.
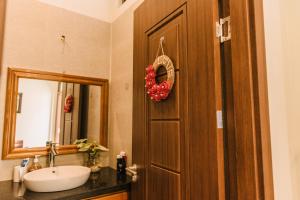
(133, 171)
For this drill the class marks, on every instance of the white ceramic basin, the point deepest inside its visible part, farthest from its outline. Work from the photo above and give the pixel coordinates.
(57, 178)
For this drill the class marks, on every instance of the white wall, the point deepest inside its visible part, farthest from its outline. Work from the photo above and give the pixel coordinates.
(33, 124)
(282, 47)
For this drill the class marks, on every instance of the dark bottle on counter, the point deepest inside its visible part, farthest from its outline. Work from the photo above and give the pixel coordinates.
(120, 167)
(124, 158)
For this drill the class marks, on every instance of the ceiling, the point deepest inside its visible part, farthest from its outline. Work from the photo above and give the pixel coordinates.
(106, 10)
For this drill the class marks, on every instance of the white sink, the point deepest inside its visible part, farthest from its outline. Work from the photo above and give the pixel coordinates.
(56, 178)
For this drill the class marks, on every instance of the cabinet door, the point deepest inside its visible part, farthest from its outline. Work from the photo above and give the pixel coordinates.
(120, 196)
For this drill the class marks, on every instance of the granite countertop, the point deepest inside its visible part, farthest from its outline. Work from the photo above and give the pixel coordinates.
(103, 182)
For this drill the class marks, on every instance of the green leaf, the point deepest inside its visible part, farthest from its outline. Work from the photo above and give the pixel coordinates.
(84, 146)
(79, 141)
(101, 148)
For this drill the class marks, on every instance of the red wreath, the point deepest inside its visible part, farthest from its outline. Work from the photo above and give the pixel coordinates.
(68, 104)
(157, 92)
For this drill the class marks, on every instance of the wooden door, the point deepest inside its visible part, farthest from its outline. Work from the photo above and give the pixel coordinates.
(165, 120)
(176, 143)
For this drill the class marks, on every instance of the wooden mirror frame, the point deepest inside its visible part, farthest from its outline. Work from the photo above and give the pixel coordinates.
(13, 76)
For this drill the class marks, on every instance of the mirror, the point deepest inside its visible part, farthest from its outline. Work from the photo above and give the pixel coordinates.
(61, 108)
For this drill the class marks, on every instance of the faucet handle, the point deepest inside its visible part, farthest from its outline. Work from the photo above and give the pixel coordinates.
(54, 144)
(51, 144)
(48, 143)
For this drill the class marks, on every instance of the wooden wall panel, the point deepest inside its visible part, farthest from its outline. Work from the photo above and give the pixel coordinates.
(163, 185)
(165, 144)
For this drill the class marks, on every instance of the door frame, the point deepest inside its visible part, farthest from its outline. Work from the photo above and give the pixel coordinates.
(254, 174)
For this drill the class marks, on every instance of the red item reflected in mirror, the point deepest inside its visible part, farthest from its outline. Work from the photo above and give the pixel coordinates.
(68, 104)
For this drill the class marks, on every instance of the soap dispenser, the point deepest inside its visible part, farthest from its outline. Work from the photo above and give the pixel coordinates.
(35, 165)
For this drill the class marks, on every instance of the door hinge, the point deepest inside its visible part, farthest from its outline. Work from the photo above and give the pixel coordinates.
(223, 29)
(219, 119)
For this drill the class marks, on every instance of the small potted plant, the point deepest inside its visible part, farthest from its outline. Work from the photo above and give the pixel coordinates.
(92, 148)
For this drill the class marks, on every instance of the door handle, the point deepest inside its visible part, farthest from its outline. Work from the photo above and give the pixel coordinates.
(133, 171)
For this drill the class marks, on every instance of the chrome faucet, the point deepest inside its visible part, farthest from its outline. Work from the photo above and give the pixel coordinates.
(52, 153)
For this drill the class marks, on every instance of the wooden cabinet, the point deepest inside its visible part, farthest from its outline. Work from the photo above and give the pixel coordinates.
(118, 196)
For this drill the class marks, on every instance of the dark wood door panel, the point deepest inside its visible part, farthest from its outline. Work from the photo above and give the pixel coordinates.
(163, 185)
(206, 154)
(169, 108)
(171, 32)
(159, 10)
(165, 144)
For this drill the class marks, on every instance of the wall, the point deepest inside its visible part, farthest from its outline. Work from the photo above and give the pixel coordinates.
(106, 10)
(94, 110)
(291, 33)
(117, 9)
(282, 47)
(121, 93)
(32, 40)
(99, 9)
(35, 117)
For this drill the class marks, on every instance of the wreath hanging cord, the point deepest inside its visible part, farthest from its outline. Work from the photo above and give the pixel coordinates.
(161, 91)
(160, 47)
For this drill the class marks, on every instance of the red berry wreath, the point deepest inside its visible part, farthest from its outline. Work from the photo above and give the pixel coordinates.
(159, 91)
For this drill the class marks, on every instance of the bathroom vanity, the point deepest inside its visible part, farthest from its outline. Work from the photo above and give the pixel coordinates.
(67, 108)
(103, 185)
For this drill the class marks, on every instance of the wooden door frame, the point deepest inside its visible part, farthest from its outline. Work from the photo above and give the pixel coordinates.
(254, 177)
(2, 22)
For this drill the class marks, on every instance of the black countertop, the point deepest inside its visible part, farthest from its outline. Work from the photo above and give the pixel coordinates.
(103, 182)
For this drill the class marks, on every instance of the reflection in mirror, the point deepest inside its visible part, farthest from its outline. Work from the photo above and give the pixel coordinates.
(46, 106)
(56, 111)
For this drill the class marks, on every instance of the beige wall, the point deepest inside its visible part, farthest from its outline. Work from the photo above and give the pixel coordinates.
(282, 45)
(291, 38)
(32, 40)
(121, 86)
(35, 116)
(99, 9)
(118, 9)
(106, 10)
